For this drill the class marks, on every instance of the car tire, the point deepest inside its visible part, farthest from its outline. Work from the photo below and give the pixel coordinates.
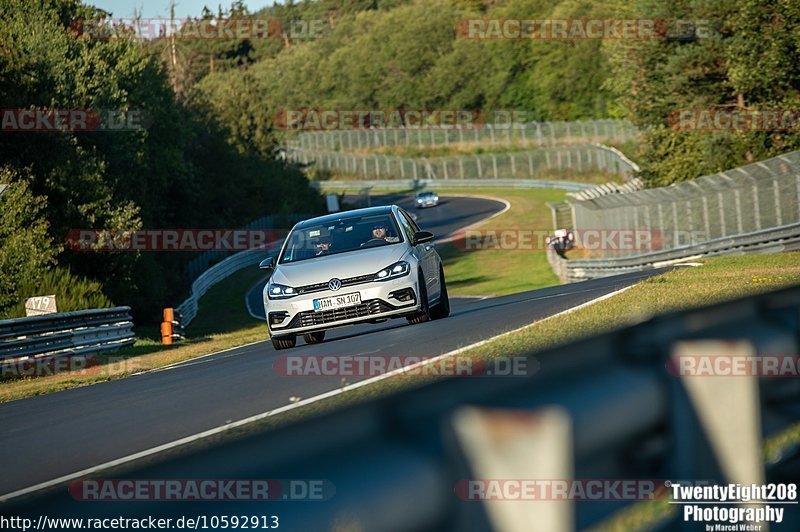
(424, 314)
(284, 342)
(442, 308)
(314, 337)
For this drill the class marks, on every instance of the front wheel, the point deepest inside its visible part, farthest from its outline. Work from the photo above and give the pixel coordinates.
(284, 342)
(442, 308)
(314, 337)
(425, 312)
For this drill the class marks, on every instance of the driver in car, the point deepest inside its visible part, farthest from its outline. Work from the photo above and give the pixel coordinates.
(322, 247)
(379, 232)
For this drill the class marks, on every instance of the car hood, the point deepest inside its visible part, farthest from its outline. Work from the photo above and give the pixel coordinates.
(342, 266)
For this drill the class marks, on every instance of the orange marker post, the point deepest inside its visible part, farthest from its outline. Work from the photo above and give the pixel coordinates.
(166, 327)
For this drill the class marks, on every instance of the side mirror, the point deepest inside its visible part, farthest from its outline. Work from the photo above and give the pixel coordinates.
(420, 237)
(267, 264)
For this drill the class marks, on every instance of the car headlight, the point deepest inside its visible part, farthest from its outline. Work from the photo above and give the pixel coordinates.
(279, 291)
(398, 269)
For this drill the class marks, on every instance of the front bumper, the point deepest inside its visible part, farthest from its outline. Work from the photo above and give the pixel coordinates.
(379, 300)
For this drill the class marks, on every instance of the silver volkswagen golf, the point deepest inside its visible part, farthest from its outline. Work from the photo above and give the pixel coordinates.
(366, 265)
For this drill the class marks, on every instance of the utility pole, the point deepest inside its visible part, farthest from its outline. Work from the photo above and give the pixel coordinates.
(172, 29)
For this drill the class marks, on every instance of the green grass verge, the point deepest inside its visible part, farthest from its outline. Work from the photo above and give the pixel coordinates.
(488, 272)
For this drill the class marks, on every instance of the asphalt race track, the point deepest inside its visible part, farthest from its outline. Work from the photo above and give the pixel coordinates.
(53, 435)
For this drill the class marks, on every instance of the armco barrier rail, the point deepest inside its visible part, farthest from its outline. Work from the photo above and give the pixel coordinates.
(735, 202)
(219, 272)
(772, 240)
(602, 408)
(751, 209)
(65, 334)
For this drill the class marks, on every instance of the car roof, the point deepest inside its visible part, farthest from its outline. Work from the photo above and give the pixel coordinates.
(384, 209)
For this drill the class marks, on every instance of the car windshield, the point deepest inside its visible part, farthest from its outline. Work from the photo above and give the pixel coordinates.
(340, 236)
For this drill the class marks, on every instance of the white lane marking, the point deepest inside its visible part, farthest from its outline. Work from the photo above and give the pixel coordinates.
(286, 408)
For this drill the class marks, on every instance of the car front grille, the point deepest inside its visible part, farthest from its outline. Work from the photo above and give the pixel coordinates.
(366, 308)
(350, 281)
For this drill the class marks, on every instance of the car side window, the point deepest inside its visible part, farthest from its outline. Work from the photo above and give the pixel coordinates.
(408, 229)
(411, 222)
(414, 225)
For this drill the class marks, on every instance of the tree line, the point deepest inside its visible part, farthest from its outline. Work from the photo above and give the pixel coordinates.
(179, 170)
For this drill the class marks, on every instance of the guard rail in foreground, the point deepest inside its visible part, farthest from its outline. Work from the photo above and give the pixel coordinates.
(66, 334)
(606, 407)
(772, 240)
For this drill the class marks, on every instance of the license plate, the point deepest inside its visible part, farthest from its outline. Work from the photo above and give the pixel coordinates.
(344, 300)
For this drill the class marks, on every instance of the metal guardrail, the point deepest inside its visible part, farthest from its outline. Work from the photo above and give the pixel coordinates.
(395, 460)
(219, 272)
(66, 334)
(739, 201)
(750, 209)
(411, 184)
(772, 240)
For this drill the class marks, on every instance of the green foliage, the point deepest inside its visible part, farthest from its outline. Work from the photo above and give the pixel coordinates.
(25, 248)
(72, 292)
(407, 55)
(747, 62)
(184, 169)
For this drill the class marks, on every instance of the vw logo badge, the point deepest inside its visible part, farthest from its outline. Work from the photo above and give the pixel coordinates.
(334, 284)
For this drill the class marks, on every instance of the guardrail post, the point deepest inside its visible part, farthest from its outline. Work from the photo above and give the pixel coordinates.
(504, 445)
(777, 192)
(716, 420)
